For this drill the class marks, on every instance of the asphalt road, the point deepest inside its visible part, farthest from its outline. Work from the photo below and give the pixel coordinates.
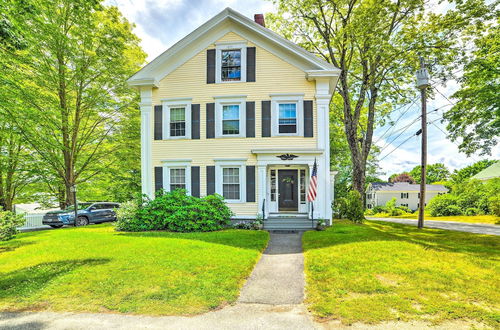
(475, 228)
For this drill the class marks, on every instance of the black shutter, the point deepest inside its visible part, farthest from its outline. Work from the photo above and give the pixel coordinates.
(250, 120)
(195, 181)
(158, 178)
(266, 118)
(210, 120)
(250, 64)
(210, 66)
(308, 119)
(158, 126)
(250, 183)
(195, 121)
(210, 180)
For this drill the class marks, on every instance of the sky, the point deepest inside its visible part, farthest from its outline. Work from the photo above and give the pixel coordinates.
(161, 23)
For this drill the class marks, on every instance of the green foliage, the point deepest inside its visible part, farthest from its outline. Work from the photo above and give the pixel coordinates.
(403, 177)
(471, 197)
(9, 221)
(434, 173)
(465, 173)
(351, 207)
(474, 120)
(175, 211)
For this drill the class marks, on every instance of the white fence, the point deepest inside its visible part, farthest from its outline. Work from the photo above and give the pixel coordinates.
(33, 220)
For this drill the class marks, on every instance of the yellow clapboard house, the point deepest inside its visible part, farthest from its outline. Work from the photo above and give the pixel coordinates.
(235, 109)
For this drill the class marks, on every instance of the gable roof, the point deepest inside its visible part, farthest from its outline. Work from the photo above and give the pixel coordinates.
(214, 29)
(491, 172)
(406, 187)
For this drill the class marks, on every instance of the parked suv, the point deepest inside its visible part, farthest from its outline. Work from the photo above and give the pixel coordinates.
(87, 213)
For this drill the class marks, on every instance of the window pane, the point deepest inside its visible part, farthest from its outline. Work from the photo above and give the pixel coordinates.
(273, 185)
(287, 118)
(231, 64)
(177, 122)
(177, 178)
(230, 119)
(231, 183)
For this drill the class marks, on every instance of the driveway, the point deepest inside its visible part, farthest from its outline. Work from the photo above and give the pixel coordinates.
(448, 225)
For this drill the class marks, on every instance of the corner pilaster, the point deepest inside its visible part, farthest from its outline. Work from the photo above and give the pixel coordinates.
(146, 107)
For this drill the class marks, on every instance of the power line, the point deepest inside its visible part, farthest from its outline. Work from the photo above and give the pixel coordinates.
(397, 147)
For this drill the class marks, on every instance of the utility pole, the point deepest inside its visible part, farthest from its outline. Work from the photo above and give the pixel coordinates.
(422, 84)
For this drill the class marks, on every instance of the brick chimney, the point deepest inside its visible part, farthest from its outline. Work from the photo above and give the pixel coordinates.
(259, 19)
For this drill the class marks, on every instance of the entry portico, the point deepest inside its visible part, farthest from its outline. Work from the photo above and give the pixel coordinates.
(283, 176)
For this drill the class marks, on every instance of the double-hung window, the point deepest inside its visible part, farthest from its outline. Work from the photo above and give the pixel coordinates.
(177, 118)
(404, 195)
(178, 121)
(231, 183)
(231, 119)
(231, 65)
(177, 178)
(287, 114)
(287, 120)
(231, 62)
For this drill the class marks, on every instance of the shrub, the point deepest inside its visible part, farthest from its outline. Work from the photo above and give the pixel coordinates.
(9, 221)
(471, 211)
(494, 205)
(243, 225)
(396, 211)
(443, 205)
(405, 209)
(369, 212)
(175, 211)
(354, 207)
(379, 209)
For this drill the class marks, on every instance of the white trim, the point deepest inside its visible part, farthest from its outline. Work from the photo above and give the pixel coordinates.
(287, 151)
(146, 106)
(219, 47)
(176, 103)
(219, 103)
(230, 163)
(173, 164)
(297, 99)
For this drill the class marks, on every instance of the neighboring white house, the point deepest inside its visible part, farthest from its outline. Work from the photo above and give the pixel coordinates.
(406, 194)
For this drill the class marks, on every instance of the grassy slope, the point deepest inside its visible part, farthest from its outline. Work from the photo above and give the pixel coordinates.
(382, 271)
(488, 219)
(97, 269)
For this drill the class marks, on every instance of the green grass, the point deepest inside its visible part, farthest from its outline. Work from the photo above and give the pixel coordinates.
(96, 269)
(487, 219)
(381, 271)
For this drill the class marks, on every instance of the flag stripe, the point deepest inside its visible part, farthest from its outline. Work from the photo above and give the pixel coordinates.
(313, 184)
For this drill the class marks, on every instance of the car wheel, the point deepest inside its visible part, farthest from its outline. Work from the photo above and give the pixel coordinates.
(82, 221)
(56, 226)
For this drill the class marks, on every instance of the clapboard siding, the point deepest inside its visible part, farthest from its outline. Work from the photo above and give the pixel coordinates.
(273, 75)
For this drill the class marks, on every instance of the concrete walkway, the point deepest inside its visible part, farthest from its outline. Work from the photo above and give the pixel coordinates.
(475, 228)
(278, 277)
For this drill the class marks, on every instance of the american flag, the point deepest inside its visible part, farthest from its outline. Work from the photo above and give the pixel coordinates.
(313, 184)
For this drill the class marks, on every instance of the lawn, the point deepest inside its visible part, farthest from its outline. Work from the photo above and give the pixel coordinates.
(96, 269)
(381, 271)
(488, 219)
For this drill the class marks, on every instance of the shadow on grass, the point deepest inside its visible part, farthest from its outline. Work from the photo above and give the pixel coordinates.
(13, 245)
(344, 232)
(26, 282)
(243, 239)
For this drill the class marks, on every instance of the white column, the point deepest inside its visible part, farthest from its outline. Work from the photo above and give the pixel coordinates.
(262, 189)
(323, 123)
(146, 106)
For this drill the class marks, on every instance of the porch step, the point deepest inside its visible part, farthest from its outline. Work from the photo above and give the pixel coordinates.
(289, 224)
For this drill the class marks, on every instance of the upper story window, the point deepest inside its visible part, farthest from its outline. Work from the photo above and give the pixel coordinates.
(177, 178)
(230, 116)
(287, 114)
(287, 120)
(231, 62)
(404, 195)
(231, 119)
(231, 65)
(177, 122)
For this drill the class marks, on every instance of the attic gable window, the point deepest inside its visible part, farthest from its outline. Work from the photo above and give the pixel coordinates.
(231, 65)
(231, 62)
